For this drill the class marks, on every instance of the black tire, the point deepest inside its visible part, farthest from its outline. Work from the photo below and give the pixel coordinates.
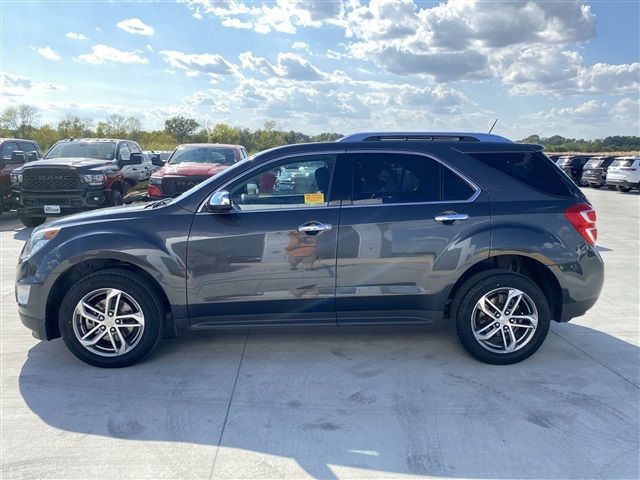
(144, 294)
(116, 198)
(623, 188)
(595, 185)
(470, 292)
(611, 187)
(31, 222)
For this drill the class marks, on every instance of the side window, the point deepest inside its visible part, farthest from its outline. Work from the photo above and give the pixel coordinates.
(454, 188)
(133, 147)
(531, 168)
(395, 178)
(244, 153)
(292, 183)
(7, 149)
(125, 153)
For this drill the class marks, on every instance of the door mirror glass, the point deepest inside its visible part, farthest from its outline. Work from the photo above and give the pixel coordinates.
(220, 202)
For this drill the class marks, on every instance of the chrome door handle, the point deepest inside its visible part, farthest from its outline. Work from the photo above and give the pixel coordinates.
(315, 227)
(451, 217)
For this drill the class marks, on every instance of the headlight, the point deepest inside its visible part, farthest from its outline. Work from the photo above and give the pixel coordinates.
(155, 181)
(93, 179)
(16, 178)
(38, 239)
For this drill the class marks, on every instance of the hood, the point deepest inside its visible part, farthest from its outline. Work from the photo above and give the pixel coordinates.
(191, 169)
(101, 215)
(72, 162)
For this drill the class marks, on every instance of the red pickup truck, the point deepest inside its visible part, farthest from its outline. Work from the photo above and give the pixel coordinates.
(190, 164)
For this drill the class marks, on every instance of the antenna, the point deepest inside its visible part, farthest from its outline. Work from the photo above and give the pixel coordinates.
(494, 124)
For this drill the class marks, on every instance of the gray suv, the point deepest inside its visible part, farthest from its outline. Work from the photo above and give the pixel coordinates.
(377, 228)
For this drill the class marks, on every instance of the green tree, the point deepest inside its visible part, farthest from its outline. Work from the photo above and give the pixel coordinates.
(181, 127)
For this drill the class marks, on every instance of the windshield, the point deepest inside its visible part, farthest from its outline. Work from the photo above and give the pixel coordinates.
(97, 150)
(225, 156)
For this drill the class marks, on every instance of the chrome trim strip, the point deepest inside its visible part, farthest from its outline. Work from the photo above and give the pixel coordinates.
(471, 199)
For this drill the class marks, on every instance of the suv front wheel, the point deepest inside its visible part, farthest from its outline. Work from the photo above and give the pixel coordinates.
(111, 318)
(501, 317)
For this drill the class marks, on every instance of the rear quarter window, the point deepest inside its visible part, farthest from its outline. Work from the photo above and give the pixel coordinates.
(533, 169)
(622, 163)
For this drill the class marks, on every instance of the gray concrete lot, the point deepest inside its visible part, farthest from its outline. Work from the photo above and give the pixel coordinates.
(336, 403)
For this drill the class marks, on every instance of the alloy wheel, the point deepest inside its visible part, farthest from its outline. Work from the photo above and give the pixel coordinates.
(504, 320)
(108, 322)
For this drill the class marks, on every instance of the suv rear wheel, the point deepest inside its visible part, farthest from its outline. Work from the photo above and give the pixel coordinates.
(111, 318)
(31, 222)
(501, 317)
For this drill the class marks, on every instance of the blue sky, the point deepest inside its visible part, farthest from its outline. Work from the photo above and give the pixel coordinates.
(567, 67)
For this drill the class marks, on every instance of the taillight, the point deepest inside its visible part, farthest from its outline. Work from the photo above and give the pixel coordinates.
(583, 218)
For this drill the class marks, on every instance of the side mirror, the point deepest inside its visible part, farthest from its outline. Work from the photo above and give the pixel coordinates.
(220, 202)
(156, 160)
(134, 159)
(17, 156)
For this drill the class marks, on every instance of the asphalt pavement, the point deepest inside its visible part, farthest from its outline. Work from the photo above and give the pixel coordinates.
(384, 402)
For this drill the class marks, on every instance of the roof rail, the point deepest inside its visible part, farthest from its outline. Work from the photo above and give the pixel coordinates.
(429, 136)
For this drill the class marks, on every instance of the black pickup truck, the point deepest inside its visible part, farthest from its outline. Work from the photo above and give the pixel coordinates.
(75, 175)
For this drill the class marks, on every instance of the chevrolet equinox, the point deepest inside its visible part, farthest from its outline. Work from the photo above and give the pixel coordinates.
(376, 228)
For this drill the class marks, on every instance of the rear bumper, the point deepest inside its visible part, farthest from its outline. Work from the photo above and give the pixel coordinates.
(580, 282)
(594, 178)
(621, 182)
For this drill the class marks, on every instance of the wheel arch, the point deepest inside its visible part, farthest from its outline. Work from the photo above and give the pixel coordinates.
(527, 266)
(86, 267)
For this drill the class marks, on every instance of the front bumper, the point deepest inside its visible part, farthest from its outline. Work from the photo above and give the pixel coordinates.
(32, 203)
(33, 311)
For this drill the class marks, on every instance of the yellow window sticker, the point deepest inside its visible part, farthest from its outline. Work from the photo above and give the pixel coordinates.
(310, 198)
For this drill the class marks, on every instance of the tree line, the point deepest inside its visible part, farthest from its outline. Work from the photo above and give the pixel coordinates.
(22, 122)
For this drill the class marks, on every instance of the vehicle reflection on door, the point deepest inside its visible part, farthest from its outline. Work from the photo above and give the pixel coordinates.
(256, 267)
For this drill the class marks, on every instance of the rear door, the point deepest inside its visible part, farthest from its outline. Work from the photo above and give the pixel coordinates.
(408, 225)
(272, 260)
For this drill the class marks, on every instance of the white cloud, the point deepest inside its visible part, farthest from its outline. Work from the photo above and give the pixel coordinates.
(289, 66)
(135, 26)
(104, 54)
(280, 15)
(46, 52)
(20, 86)
(75, 36)
(195, 64)
(300, 46)
(557, 71)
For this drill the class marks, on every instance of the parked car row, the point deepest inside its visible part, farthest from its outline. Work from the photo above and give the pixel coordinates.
(616, 173)
(87, 173)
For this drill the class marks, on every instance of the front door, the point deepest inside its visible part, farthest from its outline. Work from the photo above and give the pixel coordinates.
(272, 259)
(400, 241)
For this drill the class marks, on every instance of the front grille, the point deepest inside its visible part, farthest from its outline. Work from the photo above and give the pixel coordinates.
(50, 180)
(178, 185)
(62, 201)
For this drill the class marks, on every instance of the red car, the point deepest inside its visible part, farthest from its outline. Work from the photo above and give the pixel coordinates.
(190, 164)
